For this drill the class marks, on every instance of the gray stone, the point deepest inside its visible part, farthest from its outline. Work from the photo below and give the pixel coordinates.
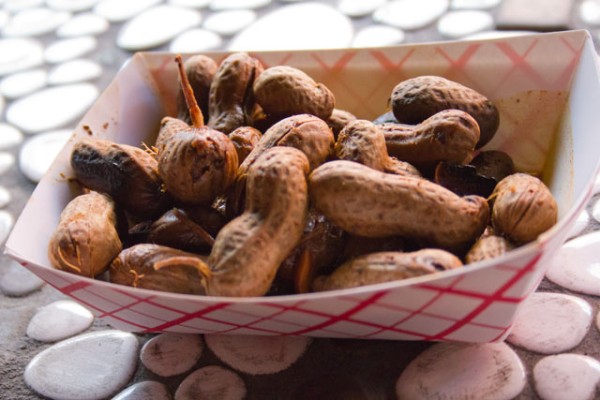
(145, 390)
(171, 354)
(211, 382)
(17, 281)
(23, 83)
(567, 376)
(58, 321)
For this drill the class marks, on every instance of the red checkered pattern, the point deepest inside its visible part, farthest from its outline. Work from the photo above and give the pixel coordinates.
(474, 304)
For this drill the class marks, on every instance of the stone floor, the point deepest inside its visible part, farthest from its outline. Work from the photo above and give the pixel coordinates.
(45, 36)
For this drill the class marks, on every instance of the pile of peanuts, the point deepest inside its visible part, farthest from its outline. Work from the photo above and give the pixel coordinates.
(261, 186)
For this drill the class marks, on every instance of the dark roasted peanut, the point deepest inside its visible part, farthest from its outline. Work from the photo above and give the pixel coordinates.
(339, 119)
(86, 238)
(200, 71)
(494, 164)
(244, 139)
(417, 99)
(370, 203)
(387, 267)
(523, 207)
(231, 100)
(284, 91)
(463, 179)
(175, 229)
(151, 266)
(127, 174)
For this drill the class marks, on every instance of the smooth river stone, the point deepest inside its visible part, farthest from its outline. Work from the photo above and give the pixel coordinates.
(410, 14)
(68, 49)
(59, 320)
(257, 355)
(194, 41)
(228, 23)
(220, 5)
(456, 24)
(359, 8)
(589, 12)
(5, 197)
(4, 18)
(377, 35)
(35, 21)
(74, 71)
(9, 136)
(6, 223)
(596, 187)
(145, 390)
(23, 83)
(16, 280)
(576, 265)
(265, 33)
(596, 210)
(582, 221)
(83, 24)
(156, 26)
(567, 376)
(7, 160)
(37, 154)
(71, 5)
(211, 382)
(474, 4)
(19, 5)
(171, 354)
(119, 10)
(19, 54)
(52, 107)
(189, 3)
(457, 371)
(86, 367)
(551, 323)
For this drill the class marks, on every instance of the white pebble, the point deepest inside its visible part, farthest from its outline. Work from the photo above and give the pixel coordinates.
(156, 26)
(265, 33)
(582, 221)
(219, 5)
(4, 18)
(377, 35)
(16, 280)
(359, 8)
(74, 71)
(567, 376)
(257, 355)
(171, 354)
(83, 24)
(9, 136)
(35, 21)
(7, 160)
(68, 49)
(52, 107)
(59, 320)
(550, 323)
(410, 14)
(23, 83)
(19, 54)
(71, 5)
(596, 210)
(119, 10)
(456, 24)
(227, 23)
(145, 390)
(86, 367)
(195, 40)
(495, 35)
(5, 197)
(589, 12)
(38, 153)
(474, 4)
(212, 382)
(456, 371)
(576, 265)
(189, 3)
(596, 187)
(19, 5)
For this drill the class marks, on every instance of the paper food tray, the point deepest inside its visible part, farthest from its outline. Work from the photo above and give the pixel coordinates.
(547, 90)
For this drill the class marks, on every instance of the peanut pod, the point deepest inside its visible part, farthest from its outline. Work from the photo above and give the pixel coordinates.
(200, 71)
(86, 238)
(370, 203)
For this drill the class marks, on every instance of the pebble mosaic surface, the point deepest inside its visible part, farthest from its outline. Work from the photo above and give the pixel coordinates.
(56, 57)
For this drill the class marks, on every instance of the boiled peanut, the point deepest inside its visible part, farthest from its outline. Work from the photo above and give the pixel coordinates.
(284, 91)
(417, 99)
(370, 203)
(169, 126)
(488, 246)
(250, 248)
(523, 207)
(231, 99)
(175, 229)
(151, 266)
(338, 120)
(494, 164)
(449, 135)
(86, 238)
(362, 141)
(387, 267)
(244, 139)
(463, 179)
(200, 71)
(127, 173)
